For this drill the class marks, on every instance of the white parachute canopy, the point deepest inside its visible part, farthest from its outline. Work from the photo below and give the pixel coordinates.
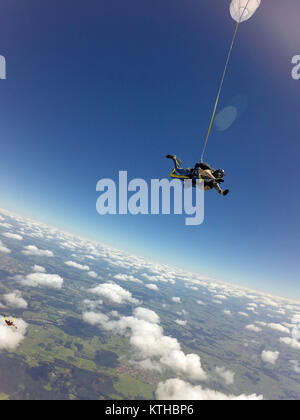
(242, 10)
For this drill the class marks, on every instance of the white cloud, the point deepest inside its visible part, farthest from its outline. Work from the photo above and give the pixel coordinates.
(78, 266)
(295, 365)
(13, 236)
(52, 281)
(291, 342)
(91, 305)
(278, 327)
(181, 322)
(221, 297)
(188, 364)
(152, 287)
(94, 318)
(270, 356)
(253, 328)
(38, 269)
(149, 342)
(33, 250)
(4, 249)
(126, 277)
(114, 293)
(227, 375)
(93, 274)
(227, 312)
(296, 318)
(201, 303)
(15, 300)
(176, 299)
(6, 225)
(146, 315)
(10, 337)
(243, 314)
(69, 245)
(176, 389)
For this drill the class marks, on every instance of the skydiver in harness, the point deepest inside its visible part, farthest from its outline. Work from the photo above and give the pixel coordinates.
(9, 323)
(211, 177)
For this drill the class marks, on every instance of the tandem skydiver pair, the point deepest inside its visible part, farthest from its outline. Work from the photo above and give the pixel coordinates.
(202, 171)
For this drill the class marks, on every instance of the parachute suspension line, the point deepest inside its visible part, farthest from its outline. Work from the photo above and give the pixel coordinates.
(222, 81)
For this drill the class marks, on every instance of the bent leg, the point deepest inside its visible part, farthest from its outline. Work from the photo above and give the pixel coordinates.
(176, 163)
(181, 172)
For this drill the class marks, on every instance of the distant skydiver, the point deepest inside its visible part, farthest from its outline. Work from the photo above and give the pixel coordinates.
(10, 323)
(211, 177)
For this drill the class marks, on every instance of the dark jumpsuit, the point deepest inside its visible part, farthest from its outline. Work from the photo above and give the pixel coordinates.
(194, 174)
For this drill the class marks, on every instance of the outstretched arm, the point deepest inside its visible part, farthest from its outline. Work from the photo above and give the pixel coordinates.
(207, 172)
(218, 188)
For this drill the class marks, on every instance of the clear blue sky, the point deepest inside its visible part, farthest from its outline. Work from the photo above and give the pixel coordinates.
(98, 86)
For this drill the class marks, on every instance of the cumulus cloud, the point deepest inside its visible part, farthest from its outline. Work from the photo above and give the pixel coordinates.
(278, 327)
(4, 249)
(227, 312)
(146, 315)
(176, 389)
(91, 305)
(15, 300)
(78, 266)
(127, 277)
(270, 356)
(221, 297)
(114, 293)
(93, 274)
(149, 343)
(176, 299)
(227, 375)
(94, 318)
(243, 314)
(13, 236)
(10, 338)
(52, 281)
(295, 365)
(291, 342)
(296, 318)
(39, 269)
(253, 328)
(217, 302)
(6, 225)
(152, 287)
(35, 251)
(188, 364)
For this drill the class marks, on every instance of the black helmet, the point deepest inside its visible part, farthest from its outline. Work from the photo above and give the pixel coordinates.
(219, 174)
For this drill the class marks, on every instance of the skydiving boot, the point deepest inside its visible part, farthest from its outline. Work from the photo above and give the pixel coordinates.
(174, 157)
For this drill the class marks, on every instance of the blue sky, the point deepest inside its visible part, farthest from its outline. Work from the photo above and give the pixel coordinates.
(97, 87)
